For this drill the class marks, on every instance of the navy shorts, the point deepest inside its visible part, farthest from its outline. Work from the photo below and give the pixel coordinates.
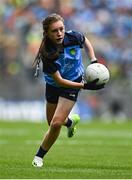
(53, 93)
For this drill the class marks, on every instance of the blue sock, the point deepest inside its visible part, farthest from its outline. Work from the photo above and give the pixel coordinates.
(68, 123)
(41, 152)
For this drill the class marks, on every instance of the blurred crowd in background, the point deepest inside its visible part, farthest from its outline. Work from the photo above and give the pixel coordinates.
(106, 23)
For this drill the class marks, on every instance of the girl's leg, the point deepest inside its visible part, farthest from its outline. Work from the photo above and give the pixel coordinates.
(62, 111)
(58, 113)
(50, 110)
(70, 123)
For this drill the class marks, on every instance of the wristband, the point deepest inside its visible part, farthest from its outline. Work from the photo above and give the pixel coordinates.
(93, 60)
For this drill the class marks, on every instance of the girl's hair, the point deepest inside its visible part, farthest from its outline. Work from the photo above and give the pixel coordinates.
(49, 20)
(42, 52)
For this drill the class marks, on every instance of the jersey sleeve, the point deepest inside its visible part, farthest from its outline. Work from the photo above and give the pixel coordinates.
(49, 67)
(80, 37)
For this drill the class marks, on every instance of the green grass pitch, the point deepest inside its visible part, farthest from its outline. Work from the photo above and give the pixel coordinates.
(97, 151)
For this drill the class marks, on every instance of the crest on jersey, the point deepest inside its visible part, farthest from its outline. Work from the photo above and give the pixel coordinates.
(73, 51)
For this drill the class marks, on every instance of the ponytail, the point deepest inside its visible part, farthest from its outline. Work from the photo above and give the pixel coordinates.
(38, 59)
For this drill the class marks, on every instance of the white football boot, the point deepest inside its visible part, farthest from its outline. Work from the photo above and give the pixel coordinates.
(37, 162)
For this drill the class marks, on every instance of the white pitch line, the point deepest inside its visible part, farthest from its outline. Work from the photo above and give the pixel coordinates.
(2, 142)
(107, 133)
(12, 132)
(32, 142)
(82, 142)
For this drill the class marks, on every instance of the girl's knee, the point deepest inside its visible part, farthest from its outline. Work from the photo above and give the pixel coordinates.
(56, 123)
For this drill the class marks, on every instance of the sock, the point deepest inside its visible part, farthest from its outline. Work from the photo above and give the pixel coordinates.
(41, 152)
(68, 123)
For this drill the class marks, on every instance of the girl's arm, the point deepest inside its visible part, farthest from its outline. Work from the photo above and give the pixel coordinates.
(66, 83)
(69, 84)
(89, 50)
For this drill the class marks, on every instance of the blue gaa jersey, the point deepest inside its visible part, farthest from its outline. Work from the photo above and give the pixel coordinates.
(69, 62)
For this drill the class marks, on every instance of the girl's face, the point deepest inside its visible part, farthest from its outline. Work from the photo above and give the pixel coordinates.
(56, 32)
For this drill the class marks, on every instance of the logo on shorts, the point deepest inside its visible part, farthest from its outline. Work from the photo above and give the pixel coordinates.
(72, 95)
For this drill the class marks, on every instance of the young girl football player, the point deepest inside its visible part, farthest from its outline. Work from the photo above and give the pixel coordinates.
(60, 53)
